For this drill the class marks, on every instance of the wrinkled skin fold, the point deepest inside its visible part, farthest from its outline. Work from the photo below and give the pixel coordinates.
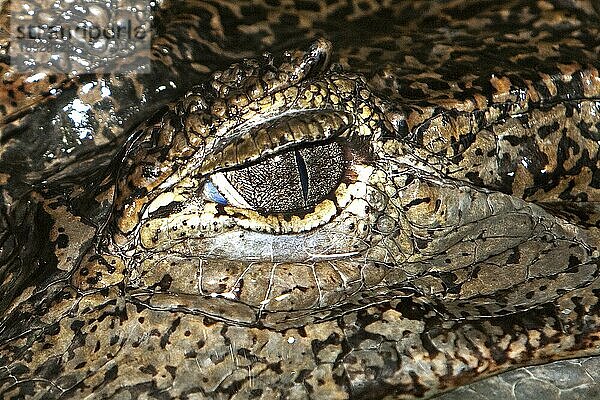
(293, 227)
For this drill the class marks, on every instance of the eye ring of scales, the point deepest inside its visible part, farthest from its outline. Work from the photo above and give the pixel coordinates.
(456, 240)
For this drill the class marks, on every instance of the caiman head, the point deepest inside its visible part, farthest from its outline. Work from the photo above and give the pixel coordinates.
(287, 191)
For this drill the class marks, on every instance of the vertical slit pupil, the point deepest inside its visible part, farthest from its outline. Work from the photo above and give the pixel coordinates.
(303, 174)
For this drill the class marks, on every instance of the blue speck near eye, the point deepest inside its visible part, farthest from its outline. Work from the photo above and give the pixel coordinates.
(213, 194)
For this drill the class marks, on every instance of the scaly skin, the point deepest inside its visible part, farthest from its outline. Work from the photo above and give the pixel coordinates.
(458, 240)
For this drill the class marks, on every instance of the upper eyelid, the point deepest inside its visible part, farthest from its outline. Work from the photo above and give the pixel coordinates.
(328, 123)
(344, 142)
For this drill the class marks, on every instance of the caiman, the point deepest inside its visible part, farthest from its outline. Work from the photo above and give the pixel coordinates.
(309, 199)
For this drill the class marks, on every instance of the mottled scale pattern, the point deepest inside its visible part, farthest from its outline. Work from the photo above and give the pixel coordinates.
(310, 200)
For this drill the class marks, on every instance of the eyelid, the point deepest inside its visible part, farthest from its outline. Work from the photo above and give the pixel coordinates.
(279, 135)
(219, 190)
(211, 192)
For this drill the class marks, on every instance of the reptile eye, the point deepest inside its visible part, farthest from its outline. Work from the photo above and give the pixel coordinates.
(290, 182)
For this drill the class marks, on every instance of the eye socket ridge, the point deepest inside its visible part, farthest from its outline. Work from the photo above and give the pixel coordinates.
(290, 182)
